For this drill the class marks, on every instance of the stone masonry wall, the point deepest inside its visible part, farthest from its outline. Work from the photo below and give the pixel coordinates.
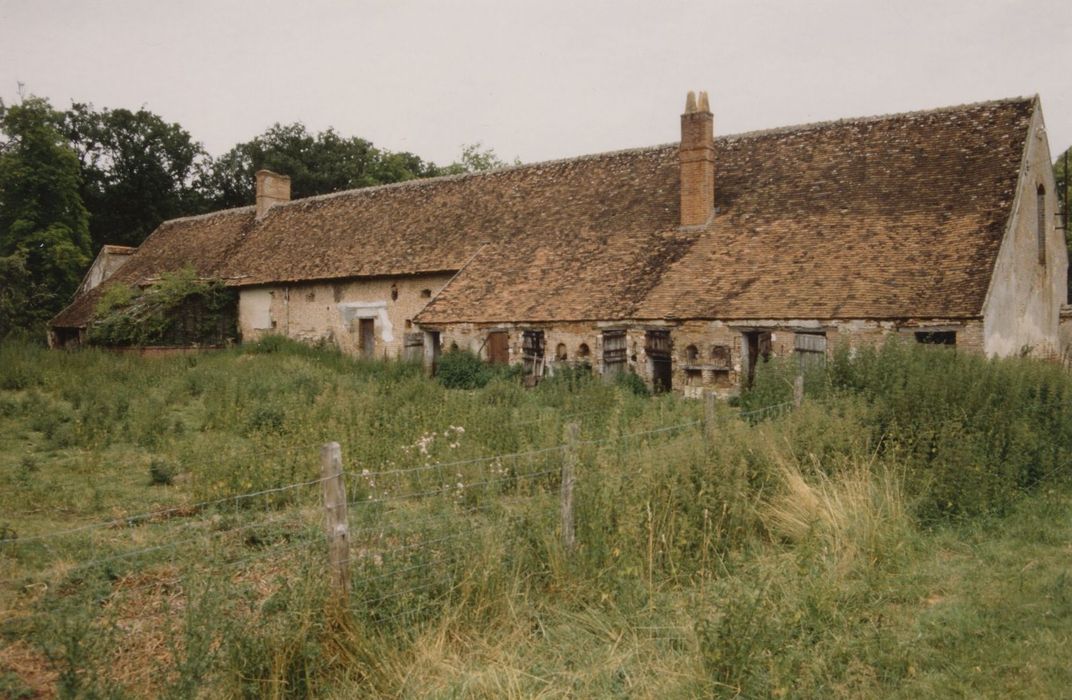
(331, 311)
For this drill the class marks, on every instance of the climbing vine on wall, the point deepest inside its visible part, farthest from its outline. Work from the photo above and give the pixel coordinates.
(180, 308)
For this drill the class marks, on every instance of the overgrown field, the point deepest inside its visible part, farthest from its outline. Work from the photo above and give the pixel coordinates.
(905, 532)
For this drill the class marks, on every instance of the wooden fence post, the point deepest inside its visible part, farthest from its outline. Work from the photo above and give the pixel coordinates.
(569, 462)
(798, 391)
(336, 522)
(709, 413)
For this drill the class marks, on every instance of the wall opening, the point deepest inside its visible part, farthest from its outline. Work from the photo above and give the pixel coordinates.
(757, 349)
(936, 337)
(583, 351)
(498, 344)
(366, 337)
(532, 356)
(810, 349)
(1040, 206)
(560, 352)
(613, 352)
(426, 294)
(658, 348)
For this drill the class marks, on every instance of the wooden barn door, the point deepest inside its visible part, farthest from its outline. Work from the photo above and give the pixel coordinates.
(613, 353)
(658, 349)
(367, 337)
(498, 347)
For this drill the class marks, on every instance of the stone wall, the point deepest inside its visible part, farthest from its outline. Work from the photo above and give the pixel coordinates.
(332, 311)
(1027, 289)
(707, 355)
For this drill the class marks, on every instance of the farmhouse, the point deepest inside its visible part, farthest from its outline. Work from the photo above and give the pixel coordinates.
(686, 263)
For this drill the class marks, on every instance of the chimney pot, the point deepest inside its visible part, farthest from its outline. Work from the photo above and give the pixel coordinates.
(272, 189)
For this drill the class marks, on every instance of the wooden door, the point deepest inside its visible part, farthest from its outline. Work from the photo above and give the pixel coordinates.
(367, 337)
(614, 352)
(499, 347)
(658, 349)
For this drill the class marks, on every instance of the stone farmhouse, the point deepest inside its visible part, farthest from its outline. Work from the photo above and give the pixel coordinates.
(686, 263)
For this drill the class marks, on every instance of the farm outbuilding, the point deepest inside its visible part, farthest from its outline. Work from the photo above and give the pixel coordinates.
(685, 263)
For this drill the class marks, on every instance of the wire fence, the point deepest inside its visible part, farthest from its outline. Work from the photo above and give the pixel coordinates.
(409, 531)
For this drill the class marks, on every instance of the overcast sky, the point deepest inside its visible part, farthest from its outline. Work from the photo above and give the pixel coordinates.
(536, 80)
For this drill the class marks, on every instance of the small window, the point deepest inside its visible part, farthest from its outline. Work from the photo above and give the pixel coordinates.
(1040, 206)
(426, 294)
(394, 292)
(692, 354)
(936, 337)
(720, 355)
(583, 350)
(560, 352)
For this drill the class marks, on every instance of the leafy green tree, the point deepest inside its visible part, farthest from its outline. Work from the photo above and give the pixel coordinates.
(1062, 172)
(137, 171)
(25, 305)
(316, 163)
(42, 219)
(474, 158)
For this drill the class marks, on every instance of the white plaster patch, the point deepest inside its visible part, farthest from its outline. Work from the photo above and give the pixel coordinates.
(371, 309)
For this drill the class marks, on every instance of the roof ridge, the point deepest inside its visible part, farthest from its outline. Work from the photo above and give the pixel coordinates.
(808, 126)
(424, 181)
(210, 214)
(427, 181)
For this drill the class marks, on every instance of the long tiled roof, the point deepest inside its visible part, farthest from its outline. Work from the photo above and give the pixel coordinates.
(891, 216)
(203, 242)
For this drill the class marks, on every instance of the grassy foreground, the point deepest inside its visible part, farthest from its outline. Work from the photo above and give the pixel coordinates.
(906, 532)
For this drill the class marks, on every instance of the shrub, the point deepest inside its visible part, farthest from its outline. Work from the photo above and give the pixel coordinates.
(179, 309)
(630, 381)
(161, 472)
(461, 369)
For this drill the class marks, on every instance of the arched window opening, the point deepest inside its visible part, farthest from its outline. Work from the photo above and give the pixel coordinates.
(692, 354)
(583, 351)
(560, 352)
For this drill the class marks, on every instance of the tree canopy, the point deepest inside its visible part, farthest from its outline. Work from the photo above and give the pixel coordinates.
(44, 227)
(73, 181)
(137, 170)
(316, 163)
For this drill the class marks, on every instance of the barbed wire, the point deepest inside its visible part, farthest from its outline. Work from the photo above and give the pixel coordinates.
(126, 520)
(159, 547)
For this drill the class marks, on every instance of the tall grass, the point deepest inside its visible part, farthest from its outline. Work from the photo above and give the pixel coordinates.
(755, 556)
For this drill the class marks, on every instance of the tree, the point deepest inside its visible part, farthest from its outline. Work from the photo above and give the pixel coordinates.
(137, 171)
(1062, 173)
(475, 159)
(317, 164)
(42, 219)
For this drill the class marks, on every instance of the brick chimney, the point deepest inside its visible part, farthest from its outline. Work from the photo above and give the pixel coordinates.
(697, 153)
(272, 189)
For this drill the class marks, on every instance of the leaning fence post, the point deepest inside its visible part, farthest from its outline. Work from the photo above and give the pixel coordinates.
(336, 524)
(709, 413)
(798, 391)
(569, 462)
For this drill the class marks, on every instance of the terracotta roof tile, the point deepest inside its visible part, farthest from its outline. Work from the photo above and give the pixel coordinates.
(882, 217)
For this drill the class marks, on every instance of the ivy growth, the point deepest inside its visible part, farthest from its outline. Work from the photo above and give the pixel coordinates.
(180, 308)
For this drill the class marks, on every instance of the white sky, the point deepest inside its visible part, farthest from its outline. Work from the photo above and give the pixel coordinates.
(538, 79)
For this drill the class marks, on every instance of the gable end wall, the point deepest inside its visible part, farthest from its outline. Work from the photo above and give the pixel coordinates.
(1022, 307)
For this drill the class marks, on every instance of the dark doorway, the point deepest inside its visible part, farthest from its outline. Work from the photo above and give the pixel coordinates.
(759, 350)
(658, 349)
(499, 347)
(367, 337)
(532, 356)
